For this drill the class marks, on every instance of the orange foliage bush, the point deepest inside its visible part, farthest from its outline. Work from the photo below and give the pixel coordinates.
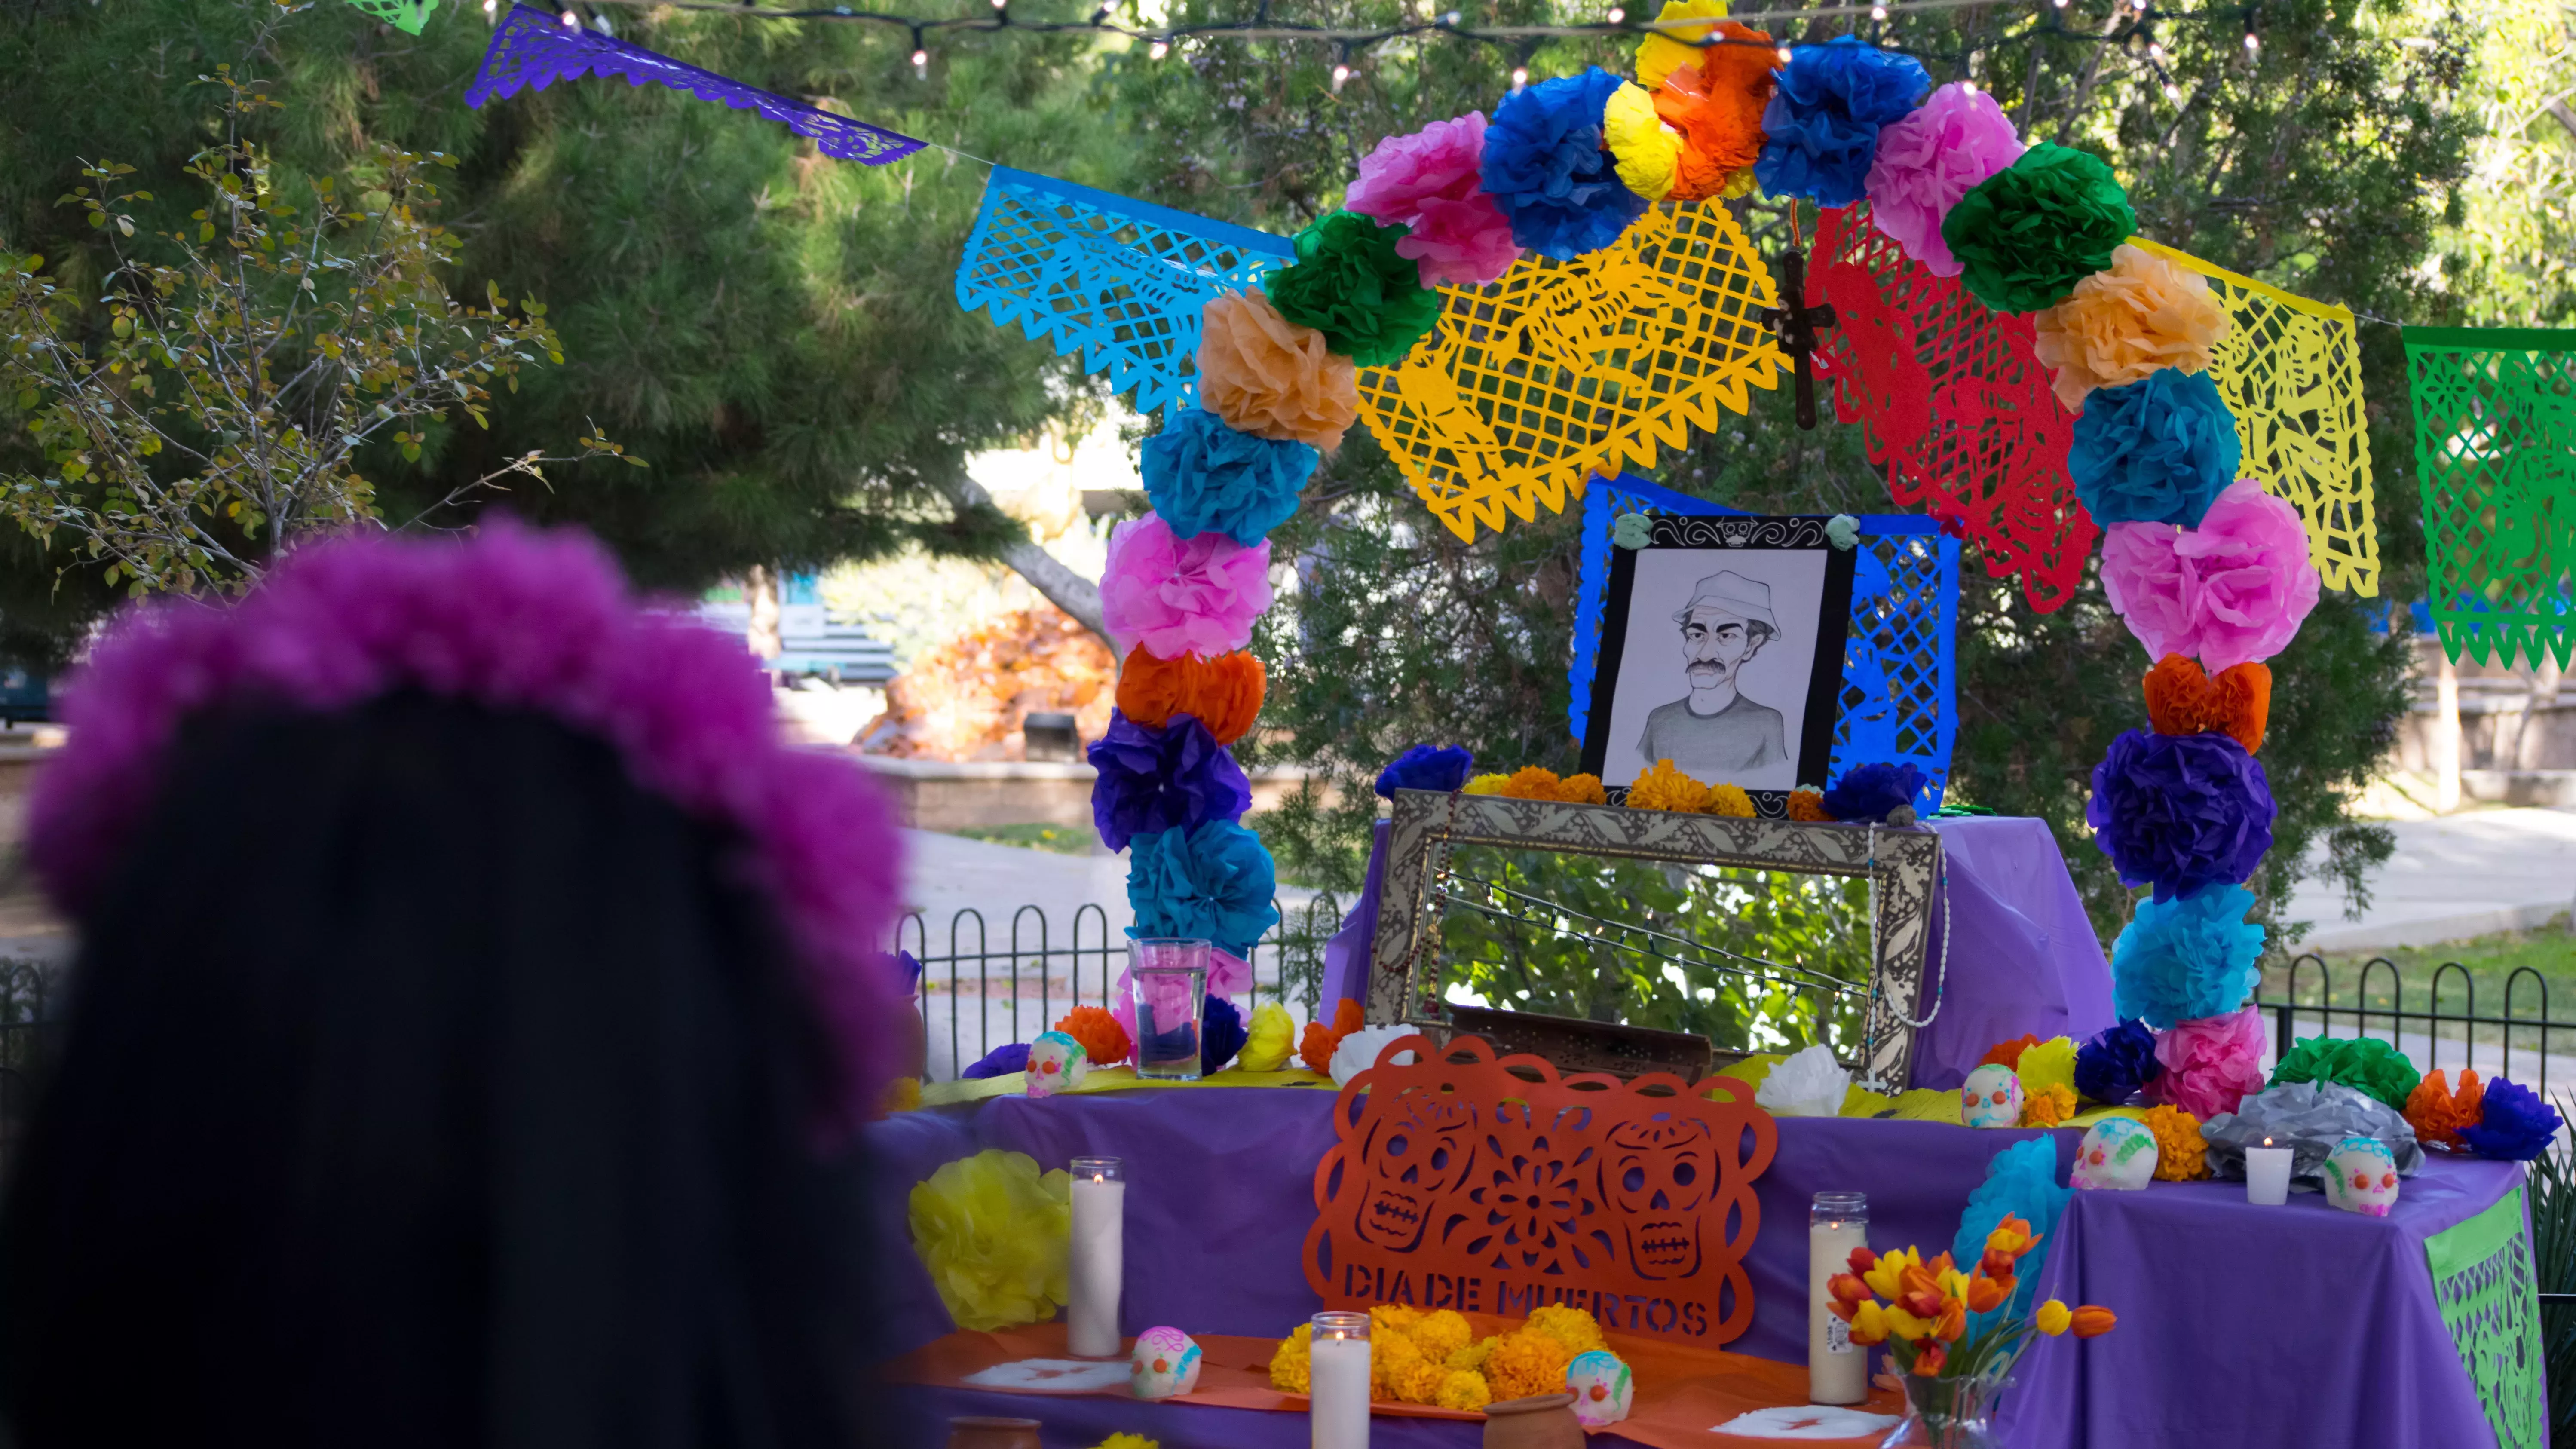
(967, 698)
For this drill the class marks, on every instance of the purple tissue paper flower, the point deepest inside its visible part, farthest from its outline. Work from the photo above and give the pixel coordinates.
(1152, 780)
(1221, 1035)
(2116, 1063)
(1869, 792)
(2180, 811)
(1001, 1061)
(2518, 1125)
(1426, 768)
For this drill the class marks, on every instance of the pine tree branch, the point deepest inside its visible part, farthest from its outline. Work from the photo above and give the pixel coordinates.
(1067, 590)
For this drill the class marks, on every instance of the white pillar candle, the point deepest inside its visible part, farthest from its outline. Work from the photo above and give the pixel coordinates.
(1338, 1396)
(1099, 1258)
(2267, 1174)
(1837, 1368)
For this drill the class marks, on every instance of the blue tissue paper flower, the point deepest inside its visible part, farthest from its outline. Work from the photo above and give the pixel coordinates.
(2179, 812)
(2116, 1063)
(2518, 1125)
(1221, 1035)
(2184, 959)
(1213, 882)
(1820, 131)
(2021, 1182)
(1425, 767)
(1868, 792)
(1000, 1062)
(1545, 166)
(1204, 477)
(1153, 780)
(2158, 450)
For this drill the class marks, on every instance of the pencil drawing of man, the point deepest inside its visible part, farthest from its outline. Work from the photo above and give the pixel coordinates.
(1716, 733)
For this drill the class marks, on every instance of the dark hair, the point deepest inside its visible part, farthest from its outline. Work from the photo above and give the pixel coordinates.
(428, 1083)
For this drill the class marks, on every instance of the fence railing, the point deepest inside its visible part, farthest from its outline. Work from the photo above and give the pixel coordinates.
(27, 1028)
(2309, 1003)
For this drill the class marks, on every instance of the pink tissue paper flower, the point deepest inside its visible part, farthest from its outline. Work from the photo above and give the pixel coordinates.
(2211, 1065)
(1176, 596)
(1927, 161)
(1228, 975)
(1433, 182)
(2232, 590)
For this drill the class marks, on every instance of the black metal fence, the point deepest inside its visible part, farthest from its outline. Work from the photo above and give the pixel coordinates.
(2441, 1027)
(27, 1021)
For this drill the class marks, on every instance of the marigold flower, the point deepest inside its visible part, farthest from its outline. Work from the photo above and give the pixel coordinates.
(1530, 782)
(1930, 1359)
(1808, 806)
(1582, 790)
(1661, 787)
(2048, 1107)
(2181, 1152)
(2090, 1321)
(1953, 1322)
(2053, 1318)
(1730, 801)
(1869, 1325)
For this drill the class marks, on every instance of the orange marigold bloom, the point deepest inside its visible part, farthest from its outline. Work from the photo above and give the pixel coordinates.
(2181, 700)
(1315, 1048)
(2049, 1106)
(1224, 692)
(2181, 1152)
(2437, 1112)
(1582, 790)
(1809, 806)
(1661, 787)
(1103, 1040)
(1530, 782)
(1527, 1363)
(2092, 1322)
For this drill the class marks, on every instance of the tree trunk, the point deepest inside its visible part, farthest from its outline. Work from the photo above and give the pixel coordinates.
(2446, 733)
(1061, 586)
(760, 591)
(2544, 693)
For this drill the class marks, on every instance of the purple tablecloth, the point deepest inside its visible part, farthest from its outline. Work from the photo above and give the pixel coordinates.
(2240, 1326)
(2023, 957)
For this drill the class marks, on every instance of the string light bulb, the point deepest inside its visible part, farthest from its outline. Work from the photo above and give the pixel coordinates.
(1617, 15)
(2173, 93)
(1783, 53)
(1341, 73)
(1878, 12)
(491, 7)
(2251, 43)
(571, 21)
(1159, 49)
(1520, 76)
(920, 60)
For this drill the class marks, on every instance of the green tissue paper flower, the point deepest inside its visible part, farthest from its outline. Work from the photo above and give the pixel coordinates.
(1349, 283)
(2027, 234)
(2371, 1067)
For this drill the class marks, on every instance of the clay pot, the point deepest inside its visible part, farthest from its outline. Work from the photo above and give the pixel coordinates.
(993, 1434)
(1545, 1421)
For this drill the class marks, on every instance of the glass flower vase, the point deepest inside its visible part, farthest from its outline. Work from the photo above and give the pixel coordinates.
(1948, 1414)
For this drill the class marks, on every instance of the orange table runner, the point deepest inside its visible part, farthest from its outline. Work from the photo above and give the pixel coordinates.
(1682, 1393)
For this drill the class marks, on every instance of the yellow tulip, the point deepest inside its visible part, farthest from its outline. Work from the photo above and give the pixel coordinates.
(1954, 1284)
(2054, 1317)
(1886, 1277)
(1906, 1326)
(1869, 1325)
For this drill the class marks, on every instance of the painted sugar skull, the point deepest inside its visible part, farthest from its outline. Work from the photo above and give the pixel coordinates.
(2120, 1152)
(1417, 1157)
(1601, 1387)
(1164, 1365)
(1660, 1173)
(1056, 1061)
(1991, 1097)
(2361, 1177)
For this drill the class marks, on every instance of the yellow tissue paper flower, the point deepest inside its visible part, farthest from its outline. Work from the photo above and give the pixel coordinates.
(1656, 55)
(2054, 1318)
(1464, 1389)
(2049, 1064)
(1646, 150)
(994, 1232)
(1486, 785)
(1270, 1041)
(1129, 1441)
(1441, 1333)
(1472, 1357)
(1292, 1367)
(1573, 1327)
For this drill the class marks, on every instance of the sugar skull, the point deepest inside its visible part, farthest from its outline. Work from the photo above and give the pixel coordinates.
(2120, 1152)
(1660, 1173)
(1601, 1388)
(1991, 1097)
(1164, 1365)
(1416, 1157)
(1056, 1061)
(2361, 1176)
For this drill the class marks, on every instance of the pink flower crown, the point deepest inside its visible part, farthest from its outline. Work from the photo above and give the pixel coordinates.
(511, 619)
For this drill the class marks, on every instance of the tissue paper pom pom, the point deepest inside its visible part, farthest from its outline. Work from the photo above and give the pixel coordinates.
(2232, 590)
(1425, 767)
(1716, 102)
(2047, 1064)
(1545, 167)
(2180, 811)
(2008, 1053)
(2123, 325)
(1661, 787)
(2514, 1125)
(1270, 1040)
(1926, 161)
(1808, 1083)
(1350, 283)
(1663, 50)
(2437, 1113)
(1223, 693)
(1808, 806)
(1869, 792)
(1221, 1035)
(2155, 451)
(2181, 700)
(2365, 1064)
(1643, 150)
(2191, 956)
(1315, 1049)
(2048, 1108)
(1001, 1061)
(1205, 477)
(2116, 1062)
(1104, 1042)
(1820, 131)
(1212, 883)
(2210, 1065)
(1264, 375)
(1357, 1051)
(994, 1233)
(1152, 780)
(1432, 184)
(2181, 1152)
(2021, 1182)
(2027, 234)
(1175, 595)
(1730, 801)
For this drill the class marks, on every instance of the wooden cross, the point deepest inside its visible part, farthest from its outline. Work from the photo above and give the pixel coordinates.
(1797, 325)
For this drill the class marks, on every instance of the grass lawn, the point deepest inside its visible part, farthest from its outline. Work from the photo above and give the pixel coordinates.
(1062, 839)
(2490, 963)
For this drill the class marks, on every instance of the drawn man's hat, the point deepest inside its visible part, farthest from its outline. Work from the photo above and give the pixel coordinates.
(1732, 593)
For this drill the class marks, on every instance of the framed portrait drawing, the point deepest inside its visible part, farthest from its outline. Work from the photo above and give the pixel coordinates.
(1722, 643)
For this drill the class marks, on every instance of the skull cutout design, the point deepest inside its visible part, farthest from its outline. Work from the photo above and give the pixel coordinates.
(1421, 1157)
(2361, 1177)
(1056, 1061)
(1165, 1364)
(1601, 1387)
(1991, 1097)
(1660, 1173)
(2120, 1152)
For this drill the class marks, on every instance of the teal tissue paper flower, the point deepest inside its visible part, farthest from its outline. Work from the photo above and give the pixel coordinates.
(2187, 958)
(1210, 883)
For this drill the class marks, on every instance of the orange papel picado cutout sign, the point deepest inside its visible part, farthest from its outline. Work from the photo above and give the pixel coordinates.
(1457, 1182)
(1565, 369)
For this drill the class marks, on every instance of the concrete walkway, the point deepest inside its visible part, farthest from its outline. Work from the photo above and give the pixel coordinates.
(2453, 877)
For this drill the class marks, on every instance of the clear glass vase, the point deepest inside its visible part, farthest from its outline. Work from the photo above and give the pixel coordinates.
(1948, 1414)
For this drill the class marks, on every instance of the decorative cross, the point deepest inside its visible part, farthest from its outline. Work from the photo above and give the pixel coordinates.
(1797, 324)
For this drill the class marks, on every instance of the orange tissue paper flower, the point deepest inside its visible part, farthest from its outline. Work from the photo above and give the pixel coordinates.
(1224, 693)
(1582, 790)
(1809, 806)
(2437, 1111)
(2141, 314)
(1716, 105)
(1661, 787)
(1263, 374)
(1315, 1049)
(1104, 1041)
(2048, 1106)
(1530, 782)
(2181, 1152)
(2181, 700)
(2008, 1053)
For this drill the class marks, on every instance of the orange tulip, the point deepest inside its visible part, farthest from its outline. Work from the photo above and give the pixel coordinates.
(1930, 1359)
(1925, 1305)
(2013, 1236)
(2092, 1322)
(1954, 1321)
(1985, 1295)
(1847, 1289)
(1997, 1263)
(1862, 1259)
